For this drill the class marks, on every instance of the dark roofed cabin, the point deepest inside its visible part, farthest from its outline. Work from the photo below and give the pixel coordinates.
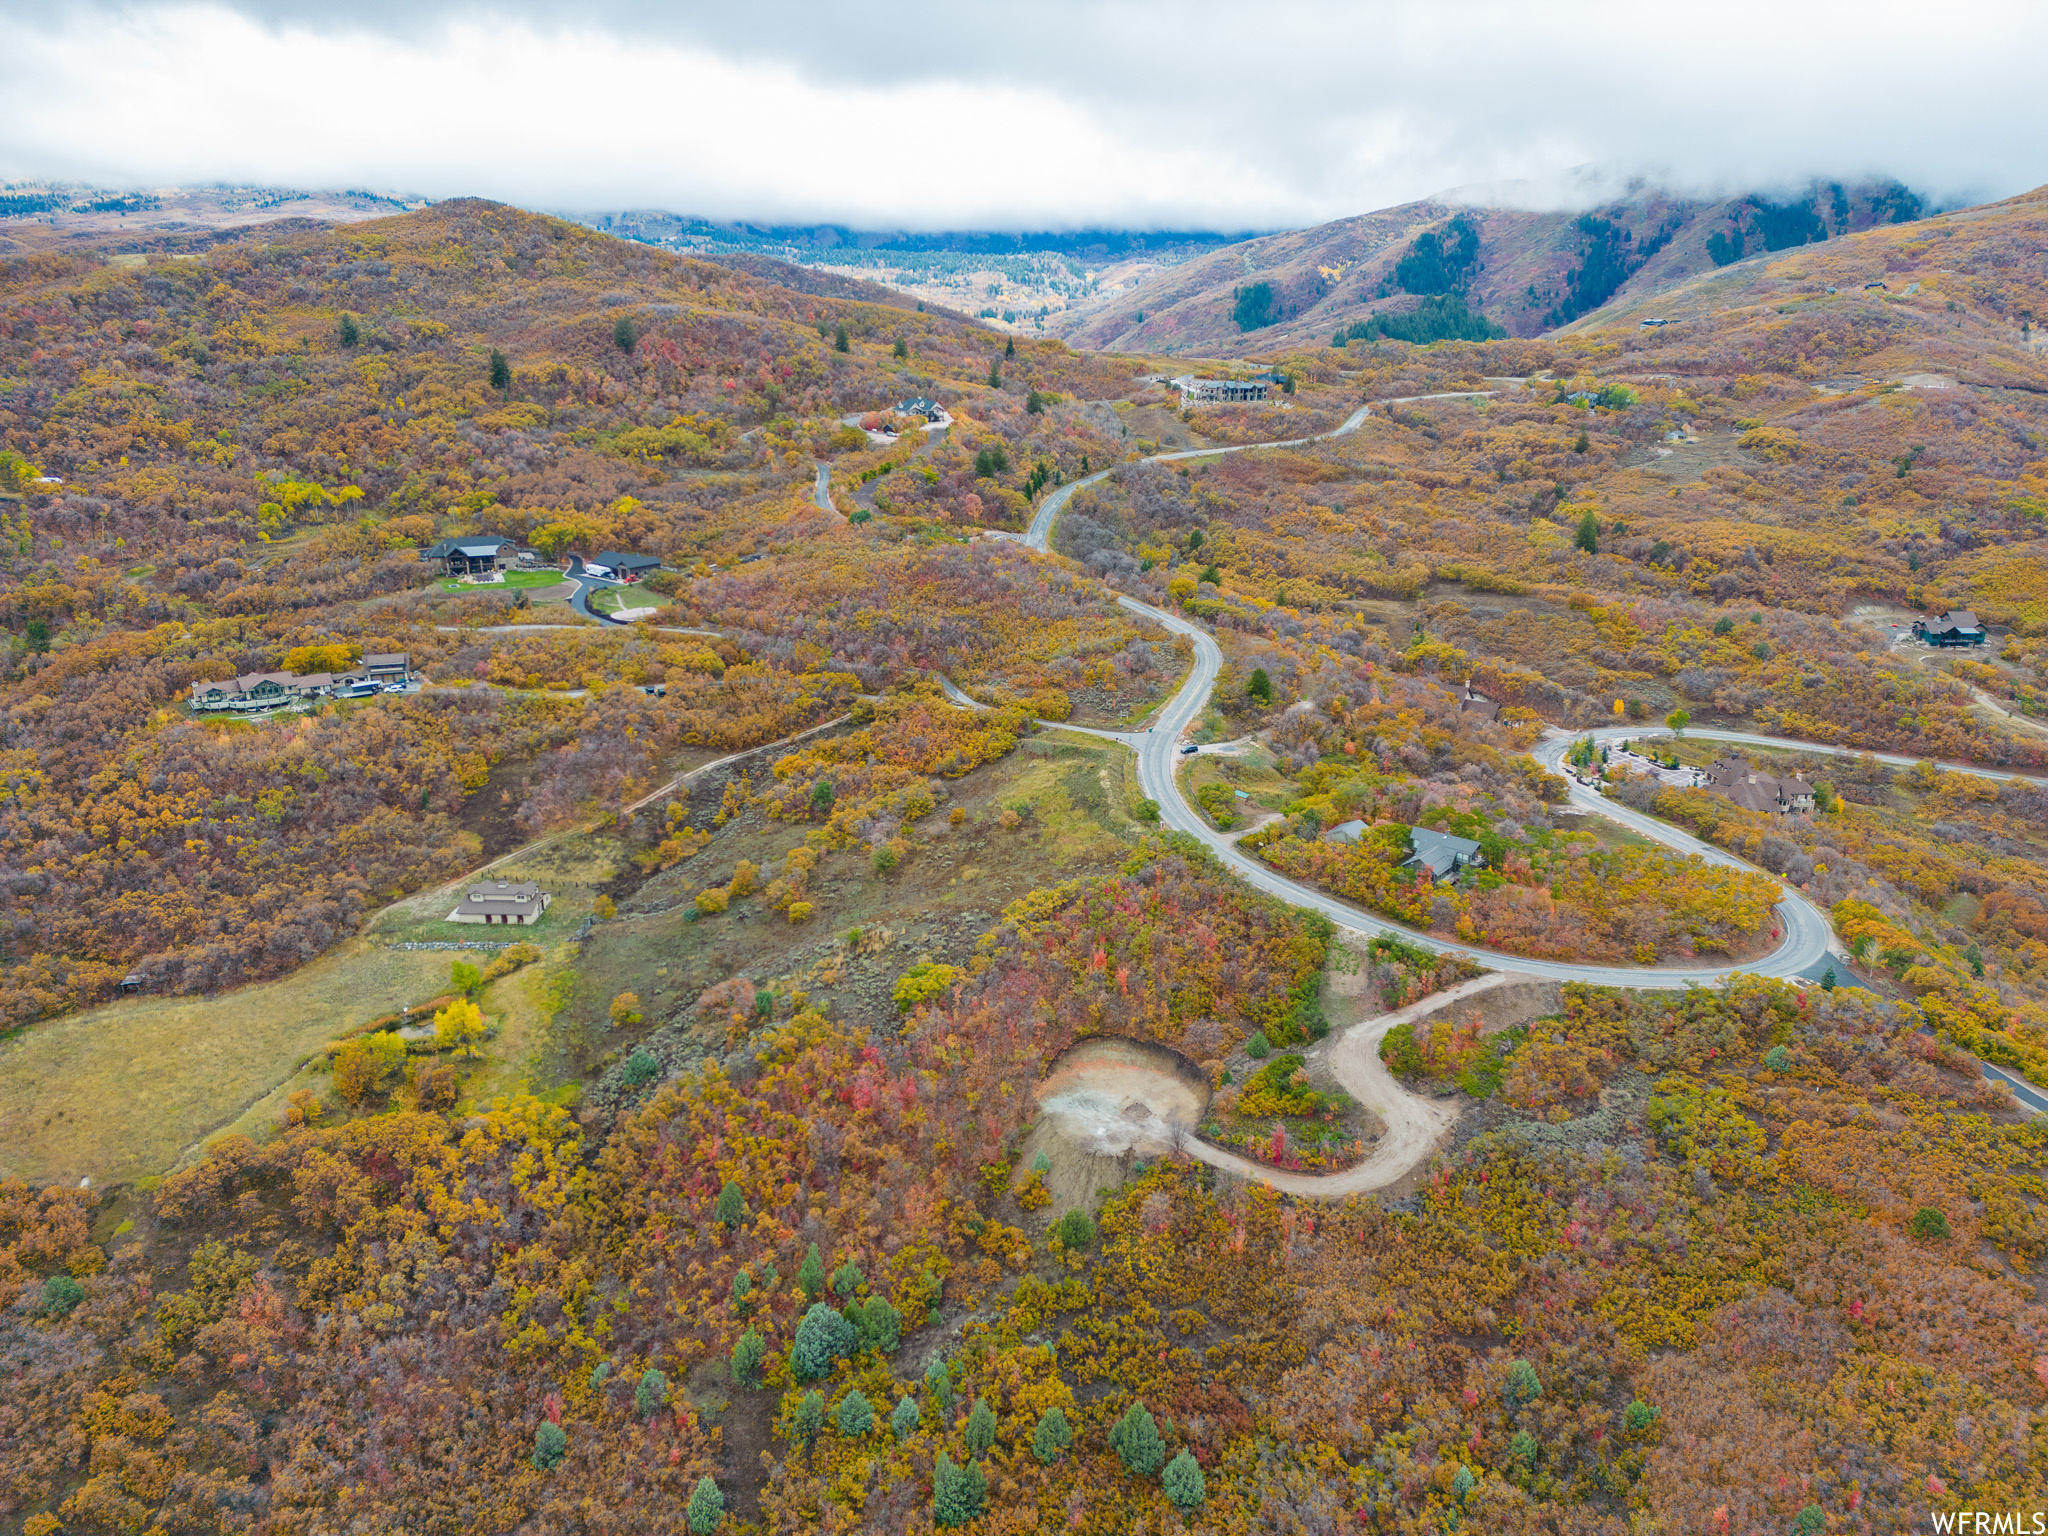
(1958, 626)
(469, 555)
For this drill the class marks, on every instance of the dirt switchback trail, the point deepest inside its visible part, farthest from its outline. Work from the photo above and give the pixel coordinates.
(1414, 1124)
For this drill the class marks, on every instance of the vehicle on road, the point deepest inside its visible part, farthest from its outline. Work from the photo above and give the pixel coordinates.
(1189, 750)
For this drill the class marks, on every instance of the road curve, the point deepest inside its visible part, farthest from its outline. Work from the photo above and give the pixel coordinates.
(1040, 531)
(1805, 931)
(1414, 1124)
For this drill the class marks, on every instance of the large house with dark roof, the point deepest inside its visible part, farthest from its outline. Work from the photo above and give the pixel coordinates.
(1958, 626)
(472, 554)
(1754, 790)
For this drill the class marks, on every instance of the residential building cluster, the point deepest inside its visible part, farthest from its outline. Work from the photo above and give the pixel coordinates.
(387, 672)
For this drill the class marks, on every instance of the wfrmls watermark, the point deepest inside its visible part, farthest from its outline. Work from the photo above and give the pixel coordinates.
(1990, 1522)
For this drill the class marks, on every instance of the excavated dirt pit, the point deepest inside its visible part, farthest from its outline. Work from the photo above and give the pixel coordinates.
(1106, 1103)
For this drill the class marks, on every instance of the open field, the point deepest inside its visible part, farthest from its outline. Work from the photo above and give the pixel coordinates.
(128, 1089)
(123, 1090)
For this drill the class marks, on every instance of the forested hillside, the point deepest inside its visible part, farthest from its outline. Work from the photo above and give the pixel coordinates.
(1526, 272)
(217, 460)
(787, 1175)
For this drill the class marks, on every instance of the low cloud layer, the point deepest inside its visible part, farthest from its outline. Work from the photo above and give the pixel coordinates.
(1049, 115)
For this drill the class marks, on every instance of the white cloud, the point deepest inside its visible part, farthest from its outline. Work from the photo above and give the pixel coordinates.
(1188, 114)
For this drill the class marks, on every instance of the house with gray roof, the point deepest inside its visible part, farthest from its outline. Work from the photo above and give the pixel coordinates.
(1441, 854)
(1754, 790)
(494, 902)
(471, 554)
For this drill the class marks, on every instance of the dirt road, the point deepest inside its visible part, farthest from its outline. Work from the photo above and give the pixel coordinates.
(1414, 1124)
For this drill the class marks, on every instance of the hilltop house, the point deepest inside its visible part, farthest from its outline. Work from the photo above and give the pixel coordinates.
(1741, 782)
(929, 409)
(388, 666)
(1199, 391)
(1441, 854)
(502, 901)
(472, 555)
(1958, 626)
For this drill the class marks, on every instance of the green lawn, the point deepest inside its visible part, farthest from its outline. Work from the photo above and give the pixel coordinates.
(513, 580)
(612, 599)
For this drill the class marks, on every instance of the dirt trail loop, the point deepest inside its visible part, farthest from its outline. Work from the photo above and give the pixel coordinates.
(1414, 1125)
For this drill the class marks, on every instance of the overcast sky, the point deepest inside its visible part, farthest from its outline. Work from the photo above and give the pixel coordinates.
(1187, 114)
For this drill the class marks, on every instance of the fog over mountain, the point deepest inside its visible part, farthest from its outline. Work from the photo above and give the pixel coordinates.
(1049, 115)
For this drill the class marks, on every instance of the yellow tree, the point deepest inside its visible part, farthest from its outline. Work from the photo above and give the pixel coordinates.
(460, 1026)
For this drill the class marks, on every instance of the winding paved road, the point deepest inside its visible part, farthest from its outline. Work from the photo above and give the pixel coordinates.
(1039, 535)
(1416, 1123)
(1805, 932)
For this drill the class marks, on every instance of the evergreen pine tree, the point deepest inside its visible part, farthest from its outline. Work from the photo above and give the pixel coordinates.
(1523, 1387)
(1075, 1230)
(810, 1275)
(625, 335)
(747, 1355)
(904, 1419)
(810, 1418)
(821, 1338)
(1588, 536)
(995, 376)
(651, 1393)
(347, 332)
(1183, 1482)
(1136, 1439)
(846, 1279)
(706, 1509)
(901, 349)
(1260, 687)
(881, 1325)
(501, 371)
(938, 1390)
(839, 339)
(981, 1428)
(957, 1492)
(1051, 1437)
(1463, 1483)
(731, 1209)
(856, 1416)
(550, 1444)
(1010, 347)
